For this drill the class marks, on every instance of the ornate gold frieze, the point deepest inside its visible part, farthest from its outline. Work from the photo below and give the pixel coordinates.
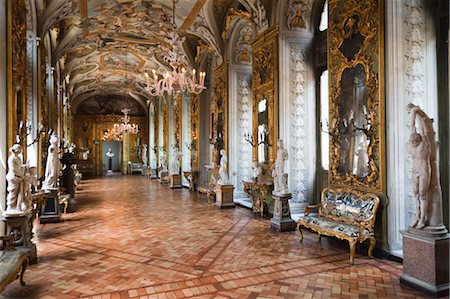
(220, 112)
(231, 15)
(265, 87)
(356, 74)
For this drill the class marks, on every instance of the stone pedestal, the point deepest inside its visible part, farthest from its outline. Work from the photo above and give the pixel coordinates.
(50, 211)
(175, 181)
(281, 220)
(153, 173)
(224, 196)
(19, 227)
(163, 177)
(425, 263)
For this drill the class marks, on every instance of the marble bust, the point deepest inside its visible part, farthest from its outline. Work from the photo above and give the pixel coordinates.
(280, 178)
(223, 175)
(51, 167)
(426, 189)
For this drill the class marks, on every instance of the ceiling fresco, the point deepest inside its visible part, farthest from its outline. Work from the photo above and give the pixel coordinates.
(106, 46)
(109, 104)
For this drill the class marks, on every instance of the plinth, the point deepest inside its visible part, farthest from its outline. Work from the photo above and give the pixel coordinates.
(425, 263)
(153, 173)
(50, 211)
(19, 227)
(163, 177)
(175, 181)
(281, 220)
(224, 196)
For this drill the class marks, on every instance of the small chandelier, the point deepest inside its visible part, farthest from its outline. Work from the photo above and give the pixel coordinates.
(125, 127)
(179, 79)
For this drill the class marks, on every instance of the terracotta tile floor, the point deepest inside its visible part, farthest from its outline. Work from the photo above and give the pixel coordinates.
(133, 238)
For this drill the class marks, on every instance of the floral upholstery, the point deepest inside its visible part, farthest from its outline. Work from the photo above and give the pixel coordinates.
(334, 226)
(347, 206)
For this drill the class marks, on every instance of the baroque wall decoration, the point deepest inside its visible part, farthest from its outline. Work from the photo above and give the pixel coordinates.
(356, 73)
(244, 118)
(243, 49)
(195, 132)
(220, 112)
(298, 15)
(298, 118)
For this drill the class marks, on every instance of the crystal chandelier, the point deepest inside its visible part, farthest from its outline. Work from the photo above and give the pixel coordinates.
(125, 127)
(179, 79)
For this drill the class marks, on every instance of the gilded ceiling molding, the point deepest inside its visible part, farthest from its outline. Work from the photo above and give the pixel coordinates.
(57, 11)
(232, 14)
(256, 7)
(192, 15)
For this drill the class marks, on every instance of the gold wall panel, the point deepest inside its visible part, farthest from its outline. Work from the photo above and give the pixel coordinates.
(265, 74)
(356, 85)
(220, 112)
(17, 68)
(165, 111)
(177, 122)
(195, 132)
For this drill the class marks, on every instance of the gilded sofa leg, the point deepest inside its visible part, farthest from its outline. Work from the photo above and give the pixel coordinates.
(371, 247)
(352, 250)
(300, 232)
(24, 267)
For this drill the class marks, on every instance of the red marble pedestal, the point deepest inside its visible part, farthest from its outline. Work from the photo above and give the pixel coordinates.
(426, 263)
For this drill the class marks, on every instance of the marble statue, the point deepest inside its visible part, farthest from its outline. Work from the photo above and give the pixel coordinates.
(427, 194)
(52, 166)
(175, 161)
(110, 156)
(223, 175)
(256, 170)
(16, 183)
(144, 154)
(85, 153)
(280, 182)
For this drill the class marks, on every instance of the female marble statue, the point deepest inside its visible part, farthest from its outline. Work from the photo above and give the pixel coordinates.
(223, 176)
(144, 154)
(15, 179)
(51, 168)
(279, 177)
(175, 161)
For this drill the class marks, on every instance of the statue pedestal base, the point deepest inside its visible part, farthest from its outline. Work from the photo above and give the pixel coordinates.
(224, 196)
(163, 177)
(50, 209)
(281, 220)
(19, 227)
(425, 263)
(153, 173)
(175, 181)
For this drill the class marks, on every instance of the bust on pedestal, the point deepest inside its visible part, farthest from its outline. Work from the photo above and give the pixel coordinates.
(426, 242)
(224, 190)
(110, 156)
(281, 220)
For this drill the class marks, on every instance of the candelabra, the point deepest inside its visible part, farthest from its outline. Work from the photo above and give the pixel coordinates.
(349, 126)
(263, 137)
(25, 131)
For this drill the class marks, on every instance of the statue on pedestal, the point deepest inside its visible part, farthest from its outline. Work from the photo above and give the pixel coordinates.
(51, 168)
(110, 155)
(16, 183)
(223, 175)
(426, 188)
(280, 179)
(144, 154)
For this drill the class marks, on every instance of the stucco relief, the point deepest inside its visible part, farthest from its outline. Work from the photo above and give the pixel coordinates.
(298, 14)
(298, 170)
(244, 118)
(243, 50)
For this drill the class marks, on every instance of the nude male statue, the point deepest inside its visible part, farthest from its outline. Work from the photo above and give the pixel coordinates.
(419, 148)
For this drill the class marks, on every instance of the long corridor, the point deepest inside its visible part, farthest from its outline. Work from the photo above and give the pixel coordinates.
(132, 238)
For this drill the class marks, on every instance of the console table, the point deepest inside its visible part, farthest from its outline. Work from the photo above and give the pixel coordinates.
(261, 195)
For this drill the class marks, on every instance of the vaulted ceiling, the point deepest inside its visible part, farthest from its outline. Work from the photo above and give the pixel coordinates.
(105, 46)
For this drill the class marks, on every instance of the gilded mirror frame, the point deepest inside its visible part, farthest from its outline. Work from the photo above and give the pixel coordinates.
(366, 16)
(265, 76)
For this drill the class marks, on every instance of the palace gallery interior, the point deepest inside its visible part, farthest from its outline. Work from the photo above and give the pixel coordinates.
(224, 149)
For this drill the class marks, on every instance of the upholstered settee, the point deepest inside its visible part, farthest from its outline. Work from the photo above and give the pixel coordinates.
(136, 167)
(13, 263)
(345, 214)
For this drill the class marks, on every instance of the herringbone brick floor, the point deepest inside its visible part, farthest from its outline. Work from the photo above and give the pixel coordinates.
(133, 238)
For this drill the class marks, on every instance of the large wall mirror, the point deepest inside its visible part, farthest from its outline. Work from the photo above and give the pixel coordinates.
(263, 132)
(355, 40)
